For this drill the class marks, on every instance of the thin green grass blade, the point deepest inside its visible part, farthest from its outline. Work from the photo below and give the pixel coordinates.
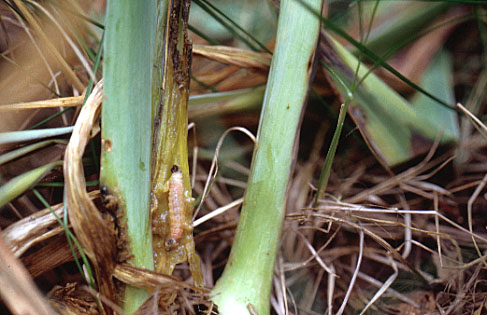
(96, 67)
(29, 135)
(325, 172)
(89, 89)
(348, 94)
(90, 183)
(20, 184)
(225, 22)
(330, 156)
(202, 84)
(71, 238)
(14, 154)
(246, 282)
(50, 118)
(228, 18)
(203, 35)
(206, 5)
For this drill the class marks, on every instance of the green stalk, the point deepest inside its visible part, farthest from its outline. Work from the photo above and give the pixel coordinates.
(170, 148)
(246, 282)
(126, 121)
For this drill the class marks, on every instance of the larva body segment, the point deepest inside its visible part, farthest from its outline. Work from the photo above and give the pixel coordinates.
(176, 205)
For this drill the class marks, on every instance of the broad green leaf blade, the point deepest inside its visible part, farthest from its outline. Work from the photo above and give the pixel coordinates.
(394, 129)
(401, 21)
(438, 79)
(378, 60)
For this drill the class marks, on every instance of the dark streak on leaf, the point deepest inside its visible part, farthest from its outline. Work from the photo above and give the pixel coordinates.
(329, 56)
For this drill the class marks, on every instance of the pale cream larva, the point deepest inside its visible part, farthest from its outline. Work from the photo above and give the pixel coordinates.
(176, 205)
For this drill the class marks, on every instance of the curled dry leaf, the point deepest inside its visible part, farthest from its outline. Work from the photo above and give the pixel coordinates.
(170, 295)
(72, 299)
(150, 280)
(40, 226)
(53, 254)
(95, 230)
